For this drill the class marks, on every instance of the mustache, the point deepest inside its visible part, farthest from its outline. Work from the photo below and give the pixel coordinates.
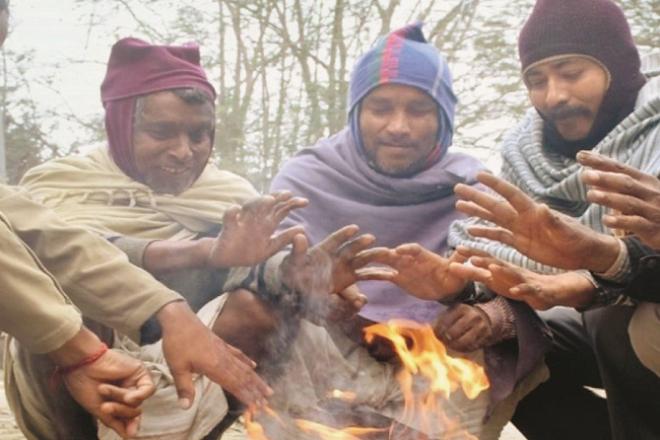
(401, 142)
(565, 112)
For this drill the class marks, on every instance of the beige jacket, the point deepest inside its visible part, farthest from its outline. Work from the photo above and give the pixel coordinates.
(41, 257)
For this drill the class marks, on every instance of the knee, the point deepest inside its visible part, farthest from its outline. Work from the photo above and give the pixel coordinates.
(644, 335)
(607, 328)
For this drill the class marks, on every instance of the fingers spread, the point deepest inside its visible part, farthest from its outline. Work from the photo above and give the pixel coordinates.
(470, 273)
(380, 255)
(283, 238)
(624, 203)
(333, 241)
(283, 209)
(497, 234)
(603, 163)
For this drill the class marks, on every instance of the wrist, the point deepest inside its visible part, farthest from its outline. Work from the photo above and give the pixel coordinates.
(203, 249)
(84, 344)
(604, 255)
(170, 315)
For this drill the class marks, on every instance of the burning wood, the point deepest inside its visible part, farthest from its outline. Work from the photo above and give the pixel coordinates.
(428, 376)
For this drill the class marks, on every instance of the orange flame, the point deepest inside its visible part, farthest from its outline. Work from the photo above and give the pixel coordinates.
(346, 396)
(327, 433)
(423, 357)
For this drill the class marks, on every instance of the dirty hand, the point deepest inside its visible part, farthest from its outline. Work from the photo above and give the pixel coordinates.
(540, 291)
(534, 229)
(191, 347)
(111, 388)
(418, 271)
(248, 233)
(463, 328)
(328, 266)
(634, 195)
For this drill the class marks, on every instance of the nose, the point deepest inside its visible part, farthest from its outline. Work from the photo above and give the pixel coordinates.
(556, 94)
(182, 151)
(398, 124)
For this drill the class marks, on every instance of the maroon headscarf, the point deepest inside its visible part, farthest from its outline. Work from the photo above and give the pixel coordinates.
(138, 68)
(596, 28)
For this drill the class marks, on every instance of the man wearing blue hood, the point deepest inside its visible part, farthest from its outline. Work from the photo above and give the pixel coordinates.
(389, 171)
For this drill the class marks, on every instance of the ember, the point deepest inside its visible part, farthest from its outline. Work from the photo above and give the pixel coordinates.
(427, 377)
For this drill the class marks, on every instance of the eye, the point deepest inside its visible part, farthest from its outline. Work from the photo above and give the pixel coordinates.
(420, 111)
(198, 136)
(160, 133)
(535, 82)
(572, 74)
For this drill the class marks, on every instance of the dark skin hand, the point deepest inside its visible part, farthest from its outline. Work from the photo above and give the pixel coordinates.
(540, 291)
(418, 271)
(534, 229)
(191, 347)
(463, 328)
(111, 388)
(328, 266)
(634, 195)
(254, 223)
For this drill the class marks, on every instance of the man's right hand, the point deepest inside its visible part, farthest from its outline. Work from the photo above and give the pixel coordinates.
(534, 229)
(191, 347)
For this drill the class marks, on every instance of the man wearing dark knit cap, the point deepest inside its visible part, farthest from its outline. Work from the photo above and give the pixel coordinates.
(584, 78)
(153, 193)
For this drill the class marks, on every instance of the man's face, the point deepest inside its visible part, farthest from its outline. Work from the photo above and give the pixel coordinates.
(568, 92)
(399, 127)
(171, 141)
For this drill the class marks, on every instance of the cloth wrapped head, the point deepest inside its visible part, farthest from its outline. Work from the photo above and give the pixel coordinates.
(596, 29)
(137, 68)
(405, 57)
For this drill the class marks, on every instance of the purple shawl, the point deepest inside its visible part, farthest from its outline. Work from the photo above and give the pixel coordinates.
(343, 189)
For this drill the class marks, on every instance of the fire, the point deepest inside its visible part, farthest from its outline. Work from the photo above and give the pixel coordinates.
(327, 433)
(346, 396)
(428, 375)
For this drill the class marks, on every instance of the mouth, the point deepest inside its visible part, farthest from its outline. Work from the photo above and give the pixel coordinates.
(173, 170)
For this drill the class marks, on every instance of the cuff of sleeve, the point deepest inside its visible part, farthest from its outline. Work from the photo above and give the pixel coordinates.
(621, 267)
(133, 248)
(501, 318)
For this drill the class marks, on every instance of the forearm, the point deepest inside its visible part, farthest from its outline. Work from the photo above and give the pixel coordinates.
(167, 256)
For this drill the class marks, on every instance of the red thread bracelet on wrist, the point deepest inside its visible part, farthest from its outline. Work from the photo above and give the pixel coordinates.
(60, 372)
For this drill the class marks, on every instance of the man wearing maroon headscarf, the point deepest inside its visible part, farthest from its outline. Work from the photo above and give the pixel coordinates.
(585, 83)
(154, 194)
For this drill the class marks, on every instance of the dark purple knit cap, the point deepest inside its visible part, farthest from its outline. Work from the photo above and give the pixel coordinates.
(596, 28)
(138, 68)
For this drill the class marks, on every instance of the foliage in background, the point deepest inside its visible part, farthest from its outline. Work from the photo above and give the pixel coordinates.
(281, 68)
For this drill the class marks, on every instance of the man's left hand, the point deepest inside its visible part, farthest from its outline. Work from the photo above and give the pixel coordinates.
(634, 194)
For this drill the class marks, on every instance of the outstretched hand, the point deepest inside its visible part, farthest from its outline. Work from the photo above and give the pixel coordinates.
(634, 195)
(540, 291)
(534, 229)
(418, 271)
(328, 267)
(248, 234)
(191, 347)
